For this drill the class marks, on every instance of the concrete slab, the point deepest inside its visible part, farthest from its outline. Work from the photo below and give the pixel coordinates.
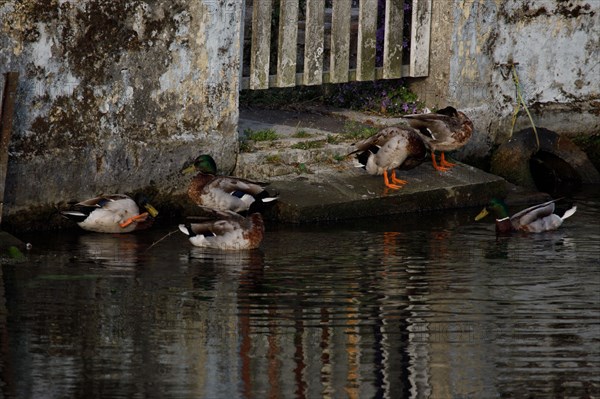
(339, 195)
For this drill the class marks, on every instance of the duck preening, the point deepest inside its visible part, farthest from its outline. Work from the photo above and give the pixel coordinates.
(224, 192)
(114, 213)
(535, 219)
(224, 230)
(390, 148)
(445, 130)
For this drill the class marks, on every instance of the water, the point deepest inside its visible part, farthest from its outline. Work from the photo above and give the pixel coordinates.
(419, 306)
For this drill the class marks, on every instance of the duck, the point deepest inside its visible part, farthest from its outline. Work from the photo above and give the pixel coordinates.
(113, 213)
(445, 130)
(535, 219)
(389, 149)
(229, 193)
(226, 230)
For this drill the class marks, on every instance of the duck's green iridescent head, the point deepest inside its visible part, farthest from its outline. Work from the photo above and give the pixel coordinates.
(203, 164)
(497, 207)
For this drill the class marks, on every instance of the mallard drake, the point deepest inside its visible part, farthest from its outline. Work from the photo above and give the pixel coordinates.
(535, 219)
(224, 230)
(114, 213)
(390, 148)
(444, 130)
(223, 192)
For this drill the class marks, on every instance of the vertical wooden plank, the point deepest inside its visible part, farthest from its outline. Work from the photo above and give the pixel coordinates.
(7, 108)
(367, 41)
(287, 43)
(340, 41)
(419, 39)
(261, 42)
(242, 27)
(314, 43)
(392, 42)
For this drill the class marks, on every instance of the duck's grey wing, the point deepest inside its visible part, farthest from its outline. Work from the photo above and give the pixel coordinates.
(533, 213)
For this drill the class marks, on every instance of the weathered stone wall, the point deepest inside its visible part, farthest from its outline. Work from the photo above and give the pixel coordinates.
(555, 44)
(115, 95)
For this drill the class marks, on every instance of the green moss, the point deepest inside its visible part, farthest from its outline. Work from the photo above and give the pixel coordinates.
(273, 159)
(309, 145)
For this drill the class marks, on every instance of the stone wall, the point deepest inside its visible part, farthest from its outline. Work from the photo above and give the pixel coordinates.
(115, 95)
(555, 45)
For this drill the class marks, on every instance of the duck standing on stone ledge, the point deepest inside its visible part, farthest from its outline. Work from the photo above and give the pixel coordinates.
(445, 130)
(390, 148)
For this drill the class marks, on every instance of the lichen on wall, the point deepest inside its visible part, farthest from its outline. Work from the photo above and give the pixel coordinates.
(554, 46)
(116, 95)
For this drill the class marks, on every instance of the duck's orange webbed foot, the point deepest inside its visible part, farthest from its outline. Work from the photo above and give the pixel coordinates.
(445, 163)
(439, 167)
(134, 219)
(395, 180)
(395, 183)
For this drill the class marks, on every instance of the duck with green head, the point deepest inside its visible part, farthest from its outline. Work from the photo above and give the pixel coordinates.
(224, 192)
(535, 219)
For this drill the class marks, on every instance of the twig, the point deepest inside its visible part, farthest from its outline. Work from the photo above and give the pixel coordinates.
(521, 101)
(156, 242)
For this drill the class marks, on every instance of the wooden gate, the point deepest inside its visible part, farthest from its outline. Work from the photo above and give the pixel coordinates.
(311, 42)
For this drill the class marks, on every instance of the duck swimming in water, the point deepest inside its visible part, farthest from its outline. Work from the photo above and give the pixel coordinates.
(224, 230)
(535, 219)
(224, 192)
(114, 213)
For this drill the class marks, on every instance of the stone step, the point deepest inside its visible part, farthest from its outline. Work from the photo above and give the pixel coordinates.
(320, 184)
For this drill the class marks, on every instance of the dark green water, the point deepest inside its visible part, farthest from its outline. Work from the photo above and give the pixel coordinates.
(419, 306)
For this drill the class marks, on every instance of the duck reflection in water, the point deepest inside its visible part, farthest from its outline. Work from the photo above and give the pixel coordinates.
(110, 249)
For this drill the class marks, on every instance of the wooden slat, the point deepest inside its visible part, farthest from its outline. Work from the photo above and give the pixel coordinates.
(314, 42)
(326, 77)
(287, 43)
(420, 36)
(340, 41)
(313, 73)
(261, 40)
(367, 42)
(392, 42)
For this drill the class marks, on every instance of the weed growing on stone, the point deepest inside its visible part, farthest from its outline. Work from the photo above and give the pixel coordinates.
(309, 145)
(302, 134)
(355, 131)
(261, 135)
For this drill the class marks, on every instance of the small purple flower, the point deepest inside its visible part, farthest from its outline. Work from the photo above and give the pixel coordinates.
(405, 107)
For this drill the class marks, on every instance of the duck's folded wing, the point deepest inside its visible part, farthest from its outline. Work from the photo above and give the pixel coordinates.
(229, 184)
(531, 214)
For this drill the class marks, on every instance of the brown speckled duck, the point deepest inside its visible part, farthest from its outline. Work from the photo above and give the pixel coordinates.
(444, 130)
(535, 219)
(224, 192)
(390, 148)
(224, 230)
(114, 213)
